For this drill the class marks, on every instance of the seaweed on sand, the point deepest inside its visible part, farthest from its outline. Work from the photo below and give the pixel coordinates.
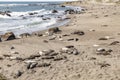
(2, 77)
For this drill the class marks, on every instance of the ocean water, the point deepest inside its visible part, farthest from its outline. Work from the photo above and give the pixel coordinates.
(27, 17)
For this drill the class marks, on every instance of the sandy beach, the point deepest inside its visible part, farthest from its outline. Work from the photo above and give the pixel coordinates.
(87, 48)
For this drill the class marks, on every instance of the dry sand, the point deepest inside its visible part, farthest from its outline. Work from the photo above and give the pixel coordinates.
(97, 22)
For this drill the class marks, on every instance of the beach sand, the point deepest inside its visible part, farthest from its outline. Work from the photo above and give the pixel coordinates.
(98, 21)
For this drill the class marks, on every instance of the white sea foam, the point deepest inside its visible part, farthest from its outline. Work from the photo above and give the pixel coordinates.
(22, 13)
(34, 23)
(23, 22)
(18, 14)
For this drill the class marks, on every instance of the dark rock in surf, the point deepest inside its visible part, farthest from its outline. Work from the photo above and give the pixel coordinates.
(8, 15)
(69, 11)
(31, 13)
(54, 11)
(62, 6)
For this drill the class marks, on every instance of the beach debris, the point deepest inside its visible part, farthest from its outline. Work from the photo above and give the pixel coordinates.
(8, 36)
(76, 39)
(8, 65)
(59, 57)
(1, 58)
(52, 37)
(95, 45)
(45, 41)
(14, 52)
(106, 15)
(70, 46)
(51, 31)
(92, 58)
(6, 55)
(73, 39)
(2, 77)
(94, 15)
(109, 37)
(33, 56)
(47, 57)
(61, 39)
(104, 64)
(43, 64)
(70, 50)
(92, 30)
(75, 10)
(0, 39)
(70, 39)
(104, 25)
(114, 43)
(15, 58)
(70, 11)
(64, 35)
(103, 38)
(18, 74)
(29, 61)
(102, 51)
(46, 52)
(25, 35)
(78, 32)
(31, 65)
(37, 34)
(106, 38)
(12, 47)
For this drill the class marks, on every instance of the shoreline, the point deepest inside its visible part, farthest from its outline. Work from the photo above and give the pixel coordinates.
(59, 18)
(87, 48)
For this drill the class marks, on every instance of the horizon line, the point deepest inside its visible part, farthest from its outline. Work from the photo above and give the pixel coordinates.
(38, 1)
